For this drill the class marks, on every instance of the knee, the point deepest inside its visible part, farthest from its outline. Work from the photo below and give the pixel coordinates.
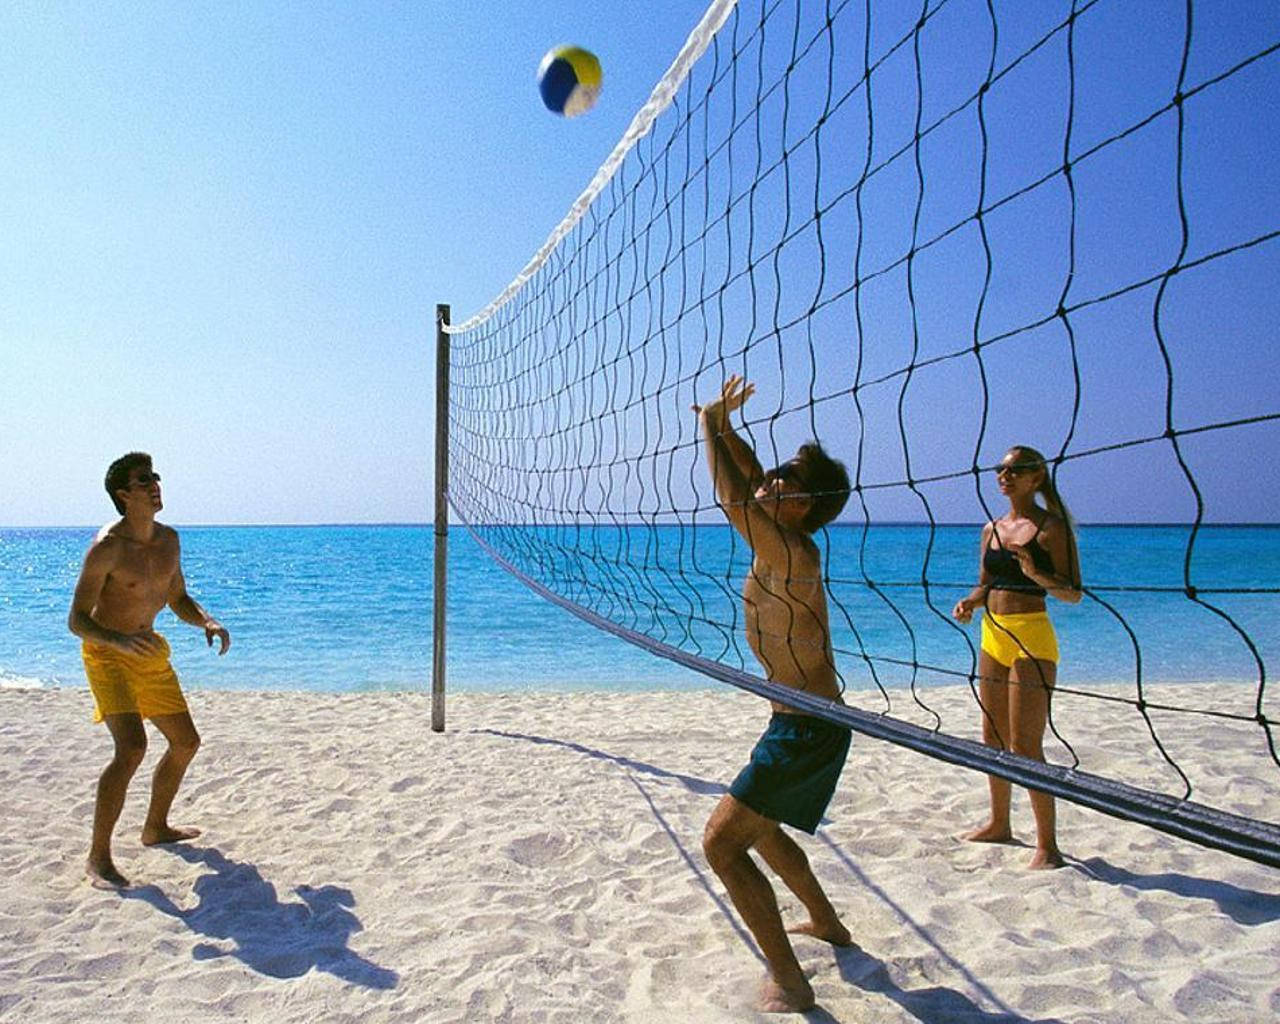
(1027, 746)
(711, 845)
(185, 746)
(777, 848)
(719, 851)
(128, 756)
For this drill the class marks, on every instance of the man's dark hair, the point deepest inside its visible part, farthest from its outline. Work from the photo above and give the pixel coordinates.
(118, 474)
(828, 481)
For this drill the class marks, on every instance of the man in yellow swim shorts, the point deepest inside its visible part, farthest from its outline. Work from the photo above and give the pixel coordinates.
(131, 571)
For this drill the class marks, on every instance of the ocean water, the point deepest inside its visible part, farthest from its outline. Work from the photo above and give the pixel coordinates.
(349, 608)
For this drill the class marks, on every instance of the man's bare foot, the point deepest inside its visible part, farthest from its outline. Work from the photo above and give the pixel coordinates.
(836, 934)
(1046, 860)
(776, 999)
(157, 836)
(989, 833)
(102, 874)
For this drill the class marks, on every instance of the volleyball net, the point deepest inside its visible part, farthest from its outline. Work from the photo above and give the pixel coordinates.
(925, 235)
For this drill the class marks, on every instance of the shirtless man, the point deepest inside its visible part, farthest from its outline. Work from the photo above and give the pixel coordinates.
(794, 767)
(131, 571)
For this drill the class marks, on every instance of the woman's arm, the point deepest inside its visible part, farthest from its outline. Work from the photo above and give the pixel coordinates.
(963, 611)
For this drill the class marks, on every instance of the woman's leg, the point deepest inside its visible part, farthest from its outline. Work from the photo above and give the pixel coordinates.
(1030, 689)
(993, 692)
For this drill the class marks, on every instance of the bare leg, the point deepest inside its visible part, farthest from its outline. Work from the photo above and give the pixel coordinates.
(733, 829)
(130, 740)
(790, 864)
(993, 691)
(184, 741)
(1031, 687)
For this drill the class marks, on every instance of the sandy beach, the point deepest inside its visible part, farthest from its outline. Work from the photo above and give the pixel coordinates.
(541, 861)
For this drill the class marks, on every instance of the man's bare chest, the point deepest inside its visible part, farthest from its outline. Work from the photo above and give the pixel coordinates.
(143, 571)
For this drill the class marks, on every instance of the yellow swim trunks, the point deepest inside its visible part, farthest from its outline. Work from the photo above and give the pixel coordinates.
(124, 683)
(1026, 635)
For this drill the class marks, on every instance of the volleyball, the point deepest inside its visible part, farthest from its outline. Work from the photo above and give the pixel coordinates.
(569, 80)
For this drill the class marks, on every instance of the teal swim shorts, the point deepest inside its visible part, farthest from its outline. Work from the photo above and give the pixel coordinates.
(793, 770)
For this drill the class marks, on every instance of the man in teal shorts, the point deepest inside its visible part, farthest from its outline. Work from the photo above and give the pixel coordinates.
(797, 762)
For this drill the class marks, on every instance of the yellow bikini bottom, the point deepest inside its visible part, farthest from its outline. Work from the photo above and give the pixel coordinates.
(1024, 635)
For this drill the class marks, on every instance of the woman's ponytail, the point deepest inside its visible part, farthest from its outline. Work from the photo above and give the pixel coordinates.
(1054, 504)
(1052, 499)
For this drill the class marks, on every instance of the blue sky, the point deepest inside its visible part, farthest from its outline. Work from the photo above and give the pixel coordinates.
(227, 226)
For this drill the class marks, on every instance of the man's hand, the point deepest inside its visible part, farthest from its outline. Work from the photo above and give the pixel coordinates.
(214, 628)
(141, 645)
(733, 394)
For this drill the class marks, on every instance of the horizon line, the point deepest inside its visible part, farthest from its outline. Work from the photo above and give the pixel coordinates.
(846, 524)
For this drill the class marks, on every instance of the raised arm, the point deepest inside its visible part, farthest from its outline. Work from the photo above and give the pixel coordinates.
(735, 470)
(188, 610)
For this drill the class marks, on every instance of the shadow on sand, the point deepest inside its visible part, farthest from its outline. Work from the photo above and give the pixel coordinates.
(690, 782)
(935, 1005)
(281, 939)
(1244, 906)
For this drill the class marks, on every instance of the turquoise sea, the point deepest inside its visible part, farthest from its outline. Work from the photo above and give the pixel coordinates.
(349, 608)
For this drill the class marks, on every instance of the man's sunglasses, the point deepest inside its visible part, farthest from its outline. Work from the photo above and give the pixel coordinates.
(788, 473)
(145, 480)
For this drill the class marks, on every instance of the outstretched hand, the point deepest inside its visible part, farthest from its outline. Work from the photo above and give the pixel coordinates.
(733, 395)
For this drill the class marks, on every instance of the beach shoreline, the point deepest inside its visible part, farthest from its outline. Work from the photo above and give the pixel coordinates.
(541, 860)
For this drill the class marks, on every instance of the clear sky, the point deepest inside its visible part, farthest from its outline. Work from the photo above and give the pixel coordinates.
(226, 227)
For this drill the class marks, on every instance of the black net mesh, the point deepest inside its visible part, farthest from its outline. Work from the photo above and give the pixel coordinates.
(926, 235)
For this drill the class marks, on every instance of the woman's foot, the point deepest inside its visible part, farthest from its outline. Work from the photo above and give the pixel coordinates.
(989, 833)
(1046, 859)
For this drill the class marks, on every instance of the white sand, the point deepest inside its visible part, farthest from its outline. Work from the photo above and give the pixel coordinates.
(541, 861)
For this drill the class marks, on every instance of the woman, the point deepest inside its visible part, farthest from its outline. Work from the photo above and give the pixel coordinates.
(1028, 553)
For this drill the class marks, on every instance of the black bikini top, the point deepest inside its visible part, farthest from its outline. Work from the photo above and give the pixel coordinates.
(1006, 572)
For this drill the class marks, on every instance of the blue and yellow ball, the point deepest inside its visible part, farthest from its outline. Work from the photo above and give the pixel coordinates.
(569, 79)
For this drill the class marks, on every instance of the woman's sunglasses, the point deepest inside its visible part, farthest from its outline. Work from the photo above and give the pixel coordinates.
(1016, 468)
